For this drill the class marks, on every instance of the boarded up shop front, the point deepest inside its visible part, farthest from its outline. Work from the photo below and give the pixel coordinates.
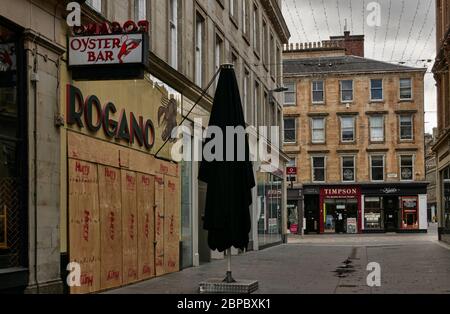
(123, 204)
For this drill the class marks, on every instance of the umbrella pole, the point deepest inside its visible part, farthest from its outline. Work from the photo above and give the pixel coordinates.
(229, 277)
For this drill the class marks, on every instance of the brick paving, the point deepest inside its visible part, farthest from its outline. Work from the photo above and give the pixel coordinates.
(409, 264)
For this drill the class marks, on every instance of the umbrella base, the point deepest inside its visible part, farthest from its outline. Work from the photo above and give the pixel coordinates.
(229, 278)
(219, 286)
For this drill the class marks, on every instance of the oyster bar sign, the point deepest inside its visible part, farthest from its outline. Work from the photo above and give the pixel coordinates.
(112, 49)
(108, 44)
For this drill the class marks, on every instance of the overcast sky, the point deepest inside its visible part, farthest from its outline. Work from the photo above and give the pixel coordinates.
(406, 32)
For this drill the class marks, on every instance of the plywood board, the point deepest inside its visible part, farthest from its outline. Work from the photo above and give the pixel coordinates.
(129, 227)
(86, 148)
(141, 162)
(172, 224)
(172, 258)
(84, 228)
(146, 222)
(109, 180)
(159, 225)
(166, 168)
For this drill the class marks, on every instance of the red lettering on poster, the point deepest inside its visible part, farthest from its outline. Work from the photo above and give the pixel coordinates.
(131, 182)
(159, 180)
(113, 275)
(132, 273)
(86, 221)
(171, 186)
(158, 225)
(131, 230)
(87, 280)
(109, 173)
(171, 224)
(171, 264)
(145, 180)
(112, 220)
(146, 270)
(82, 169)
(146, 227)
(163, 169)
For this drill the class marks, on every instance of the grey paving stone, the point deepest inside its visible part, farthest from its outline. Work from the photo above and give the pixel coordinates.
(409, 264)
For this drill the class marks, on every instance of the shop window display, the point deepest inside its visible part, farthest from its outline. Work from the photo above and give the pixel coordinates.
(446, 198)
(340, 216)
(409, 206)
(374, 213)
(269, 209)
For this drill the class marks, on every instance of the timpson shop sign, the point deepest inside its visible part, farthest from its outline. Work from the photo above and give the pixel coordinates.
(350, 192)
(89, 113)
(101, 51)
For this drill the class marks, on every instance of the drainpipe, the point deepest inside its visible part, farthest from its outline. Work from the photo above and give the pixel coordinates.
(34, 81)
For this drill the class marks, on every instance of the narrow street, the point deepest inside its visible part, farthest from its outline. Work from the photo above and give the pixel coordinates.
(410, 264)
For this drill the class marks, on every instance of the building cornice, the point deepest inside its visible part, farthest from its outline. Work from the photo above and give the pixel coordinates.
(345, 73)
(276, 17)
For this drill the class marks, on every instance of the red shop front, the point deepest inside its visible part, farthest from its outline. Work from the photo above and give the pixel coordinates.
(340, 210)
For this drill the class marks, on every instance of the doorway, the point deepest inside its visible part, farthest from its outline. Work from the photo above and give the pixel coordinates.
(13, 149)
(312, 213)
(391, 209)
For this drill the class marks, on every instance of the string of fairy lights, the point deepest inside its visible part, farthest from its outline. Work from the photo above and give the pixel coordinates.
(297, 10)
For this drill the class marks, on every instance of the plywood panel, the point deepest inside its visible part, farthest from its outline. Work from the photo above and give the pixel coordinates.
(172, 224)
(85, 148)
(84, 229)
(166, 168)
(110, 226)
(159, 225)
(129, 227)
(143, 163)
(146, 222)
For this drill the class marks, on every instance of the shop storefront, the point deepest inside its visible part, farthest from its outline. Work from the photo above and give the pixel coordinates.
(444, 228)
(13, 160)
(295, 213)
(123, 204)
(395, 208)
(340, 209)
(311, 206)
(269, 208)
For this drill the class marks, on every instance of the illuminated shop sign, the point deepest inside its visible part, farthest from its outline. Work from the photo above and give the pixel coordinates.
(108, 47)
(89, 113)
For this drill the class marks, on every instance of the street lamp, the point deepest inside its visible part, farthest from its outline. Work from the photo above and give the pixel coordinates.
(281, 89)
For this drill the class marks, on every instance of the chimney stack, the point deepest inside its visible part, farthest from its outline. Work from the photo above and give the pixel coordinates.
(353, 44)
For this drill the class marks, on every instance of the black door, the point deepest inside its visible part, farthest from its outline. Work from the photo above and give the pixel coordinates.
(391, 214)
(312, 213)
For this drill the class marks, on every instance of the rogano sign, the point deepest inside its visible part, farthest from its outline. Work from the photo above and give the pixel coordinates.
(132, 129)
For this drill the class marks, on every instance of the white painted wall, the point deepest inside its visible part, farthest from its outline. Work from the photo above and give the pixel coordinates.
(363, 199)
(423, 212)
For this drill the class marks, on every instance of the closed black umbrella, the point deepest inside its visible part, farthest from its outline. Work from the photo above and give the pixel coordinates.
(229, 183)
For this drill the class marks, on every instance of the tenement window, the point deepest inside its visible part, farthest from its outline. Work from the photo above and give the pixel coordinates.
(318, 169)
(377, 168)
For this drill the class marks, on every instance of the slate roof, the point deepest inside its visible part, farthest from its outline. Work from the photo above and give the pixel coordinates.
(342, 64)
